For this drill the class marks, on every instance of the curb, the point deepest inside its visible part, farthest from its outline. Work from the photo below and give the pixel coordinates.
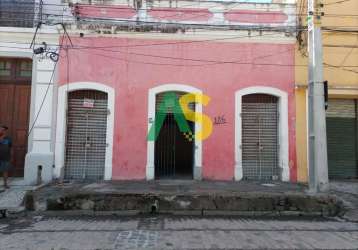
(180, 213)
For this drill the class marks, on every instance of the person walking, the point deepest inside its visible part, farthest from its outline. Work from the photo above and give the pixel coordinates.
(5, 154)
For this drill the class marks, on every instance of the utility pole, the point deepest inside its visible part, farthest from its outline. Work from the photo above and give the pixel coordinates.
(318, 163)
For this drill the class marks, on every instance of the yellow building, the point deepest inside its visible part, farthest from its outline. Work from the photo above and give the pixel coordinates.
(340, 57)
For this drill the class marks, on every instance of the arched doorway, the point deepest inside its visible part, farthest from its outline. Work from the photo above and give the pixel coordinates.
(197, 144)
(85, 152)
(260, 137)
(174, 151)
(261, 134)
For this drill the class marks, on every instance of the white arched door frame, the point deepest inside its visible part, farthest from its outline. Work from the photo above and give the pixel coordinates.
(150, 169)
(282, 128)
(61, 125)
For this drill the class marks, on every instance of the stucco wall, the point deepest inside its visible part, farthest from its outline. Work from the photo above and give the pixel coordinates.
(14, 42)
(339, 52)
(133, 70)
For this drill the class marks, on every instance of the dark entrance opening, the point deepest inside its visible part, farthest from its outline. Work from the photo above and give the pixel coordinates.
(174, 152)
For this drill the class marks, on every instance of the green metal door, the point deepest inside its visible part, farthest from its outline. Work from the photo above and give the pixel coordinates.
(342, 139)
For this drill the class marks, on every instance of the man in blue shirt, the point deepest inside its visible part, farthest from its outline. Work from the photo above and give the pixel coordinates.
(5, 153)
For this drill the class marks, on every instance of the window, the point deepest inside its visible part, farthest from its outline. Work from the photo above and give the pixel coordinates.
(15, 70)
(5, 67)
(25, 69)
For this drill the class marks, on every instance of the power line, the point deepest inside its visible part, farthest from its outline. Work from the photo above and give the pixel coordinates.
(272, 27)
(44, 98)
(207, 61)
(256, 4)
(212, 62)
(340, 29)
(201, 1)
(302, 6)
(103, 48)
(176, 42)
(200, 65)
(340, 46)
(168, 43)
(201, 12)
(340, 67)
(181, 65)
(184, 24)
(181, 9)
(163, 43)
(348, 54)
(197, 25)
(46, 93)
(337, 2)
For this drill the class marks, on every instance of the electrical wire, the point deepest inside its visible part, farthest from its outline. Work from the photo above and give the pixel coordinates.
(211, 62)
(181, 9)
(43, 99)
(158, 44)
(337, 2)
(342, 68)
(46, 93)
(276, 28)
(208, 61)
(256, 4)
(171, 43)
(195, 65)
(189, 59)
(195, 59)
(348, 54)
(199, 60)
(201, 1)
(198, 11)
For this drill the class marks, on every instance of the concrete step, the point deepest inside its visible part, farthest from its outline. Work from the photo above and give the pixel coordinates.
(192, 199)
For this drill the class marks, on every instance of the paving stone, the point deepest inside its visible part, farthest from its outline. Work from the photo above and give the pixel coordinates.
(175, 232)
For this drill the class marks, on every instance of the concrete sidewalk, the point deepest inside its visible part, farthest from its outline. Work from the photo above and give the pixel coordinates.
(347, 191)
(12, 199)
(184, 197)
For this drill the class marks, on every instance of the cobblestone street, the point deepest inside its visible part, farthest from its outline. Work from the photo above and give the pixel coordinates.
(174, 232)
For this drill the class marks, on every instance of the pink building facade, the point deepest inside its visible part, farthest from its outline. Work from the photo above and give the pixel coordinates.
(236, 70)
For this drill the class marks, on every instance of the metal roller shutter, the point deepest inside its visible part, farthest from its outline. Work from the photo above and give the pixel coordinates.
(342, 139)
(86, 135)
(260, 137)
